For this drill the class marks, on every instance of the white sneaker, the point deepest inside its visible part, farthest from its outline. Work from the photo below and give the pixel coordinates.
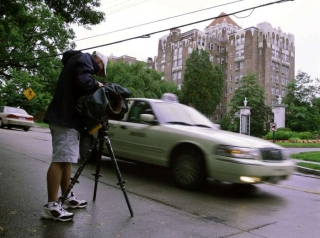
(73, 202)
(56, 212)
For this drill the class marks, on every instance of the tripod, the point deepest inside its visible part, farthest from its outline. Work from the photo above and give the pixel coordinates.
(102, 137)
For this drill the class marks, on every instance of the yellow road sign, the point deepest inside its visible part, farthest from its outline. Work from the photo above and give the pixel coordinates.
(29, 93)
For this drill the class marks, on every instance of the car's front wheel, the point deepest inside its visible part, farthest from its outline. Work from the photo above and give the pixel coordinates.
(26, 128)
(189, 169)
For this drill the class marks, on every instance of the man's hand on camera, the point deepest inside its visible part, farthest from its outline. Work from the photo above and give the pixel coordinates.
(100, 84)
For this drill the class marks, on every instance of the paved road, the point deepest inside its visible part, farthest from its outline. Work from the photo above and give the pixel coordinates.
(161, 210)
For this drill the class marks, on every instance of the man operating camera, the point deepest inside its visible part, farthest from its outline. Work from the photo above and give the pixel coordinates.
(75, 80)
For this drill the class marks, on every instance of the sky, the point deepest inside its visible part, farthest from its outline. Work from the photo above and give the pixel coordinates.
(297, 17)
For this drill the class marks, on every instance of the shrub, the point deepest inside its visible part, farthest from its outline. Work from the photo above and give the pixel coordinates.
(305, 135)
(283, 129)
(281, 135)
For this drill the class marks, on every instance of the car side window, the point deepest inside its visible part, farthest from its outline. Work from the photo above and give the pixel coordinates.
(1, 109)
(138, 108)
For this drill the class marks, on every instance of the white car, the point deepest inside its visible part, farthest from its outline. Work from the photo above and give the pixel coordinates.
(13, 117)
(167, 133)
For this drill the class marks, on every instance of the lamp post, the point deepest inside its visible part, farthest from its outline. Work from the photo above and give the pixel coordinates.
(245, 118)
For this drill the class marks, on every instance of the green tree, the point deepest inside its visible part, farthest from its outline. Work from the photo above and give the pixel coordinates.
(250, 89)
(202, 84)
(302, 113)
(141, 80)
(33, 33)
(13, 92)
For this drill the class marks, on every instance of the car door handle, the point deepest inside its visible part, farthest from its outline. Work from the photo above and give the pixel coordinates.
(123, 127)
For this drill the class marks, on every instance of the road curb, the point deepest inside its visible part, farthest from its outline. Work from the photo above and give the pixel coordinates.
(307, 171)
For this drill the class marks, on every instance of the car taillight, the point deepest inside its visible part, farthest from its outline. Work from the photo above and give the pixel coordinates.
(13, 116)
(29, 118)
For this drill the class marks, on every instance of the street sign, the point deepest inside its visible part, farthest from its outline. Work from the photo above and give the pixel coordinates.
(29, 93)
(273, 126)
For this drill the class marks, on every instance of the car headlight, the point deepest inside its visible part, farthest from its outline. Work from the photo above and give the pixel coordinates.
(237, 152)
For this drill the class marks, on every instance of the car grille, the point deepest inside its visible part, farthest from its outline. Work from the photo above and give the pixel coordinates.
(271, 154)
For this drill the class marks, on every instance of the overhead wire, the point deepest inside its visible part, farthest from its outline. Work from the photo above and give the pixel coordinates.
(132, 5)
(163, 19)
(148, 35)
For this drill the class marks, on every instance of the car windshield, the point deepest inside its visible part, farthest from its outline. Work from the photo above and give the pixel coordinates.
(176, 113)
(16, 110)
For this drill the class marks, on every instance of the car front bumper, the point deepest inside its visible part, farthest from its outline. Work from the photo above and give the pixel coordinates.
(249, 171)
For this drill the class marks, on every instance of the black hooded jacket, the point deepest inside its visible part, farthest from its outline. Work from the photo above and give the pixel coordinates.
(74, 81)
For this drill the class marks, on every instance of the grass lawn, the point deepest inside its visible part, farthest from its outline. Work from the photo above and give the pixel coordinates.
(308, 156)
(42, 124)
(313, 156)
(299, 145)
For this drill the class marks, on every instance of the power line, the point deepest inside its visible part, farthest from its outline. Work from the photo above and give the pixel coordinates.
(132, 5)
(160, 31)
(188, 24)
(148, 23)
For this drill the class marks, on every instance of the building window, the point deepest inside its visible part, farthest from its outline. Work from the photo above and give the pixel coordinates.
(211, 46)
(162, 68)
(179, 75)
(241, 64)
(174, 76)
(190, 50)
(231, 54)
(179, 62)
(230, 66)
(175, 52)
(163, 56)
(231, 78)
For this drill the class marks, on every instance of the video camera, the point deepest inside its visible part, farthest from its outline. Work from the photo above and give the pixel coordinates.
(109, 101)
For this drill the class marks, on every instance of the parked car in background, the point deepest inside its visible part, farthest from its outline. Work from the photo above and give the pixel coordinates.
(169, 134)
(12, 117)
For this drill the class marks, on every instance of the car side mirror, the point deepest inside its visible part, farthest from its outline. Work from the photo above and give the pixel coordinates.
(148, 118)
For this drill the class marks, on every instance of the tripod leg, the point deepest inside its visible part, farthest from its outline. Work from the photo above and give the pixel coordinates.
(121, 181)
(74, 180)
(97, 175)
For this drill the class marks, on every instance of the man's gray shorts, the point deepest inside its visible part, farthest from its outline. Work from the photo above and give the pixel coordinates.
(65, 143)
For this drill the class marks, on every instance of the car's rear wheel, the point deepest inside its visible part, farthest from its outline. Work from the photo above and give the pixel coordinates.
(86, 143)
(26, 128)
(1, 123)
(189, 169)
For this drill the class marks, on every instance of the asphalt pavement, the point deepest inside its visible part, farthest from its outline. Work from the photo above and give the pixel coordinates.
(22, 193)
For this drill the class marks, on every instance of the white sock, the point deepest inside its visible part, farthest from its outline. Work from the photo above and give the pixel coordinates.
(50, 204)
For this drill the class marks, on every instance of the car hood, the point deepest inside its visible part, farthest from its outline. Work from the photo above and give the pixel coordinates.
(224, 137)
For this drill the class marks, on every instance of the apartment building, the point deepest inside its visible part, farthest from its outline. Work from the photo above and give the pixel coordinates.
(267, 51)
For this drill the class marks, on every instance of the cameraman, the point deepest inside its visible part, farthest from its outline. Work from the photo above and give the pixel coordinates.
(75, 80)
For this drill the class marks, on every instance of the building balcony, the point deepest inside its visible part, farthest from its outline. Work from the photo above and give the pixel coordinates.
(239, 58)
(177, 68)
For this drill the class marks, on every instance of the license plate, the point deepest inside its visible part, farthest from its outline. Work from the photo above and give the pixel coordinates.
(22, 118)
